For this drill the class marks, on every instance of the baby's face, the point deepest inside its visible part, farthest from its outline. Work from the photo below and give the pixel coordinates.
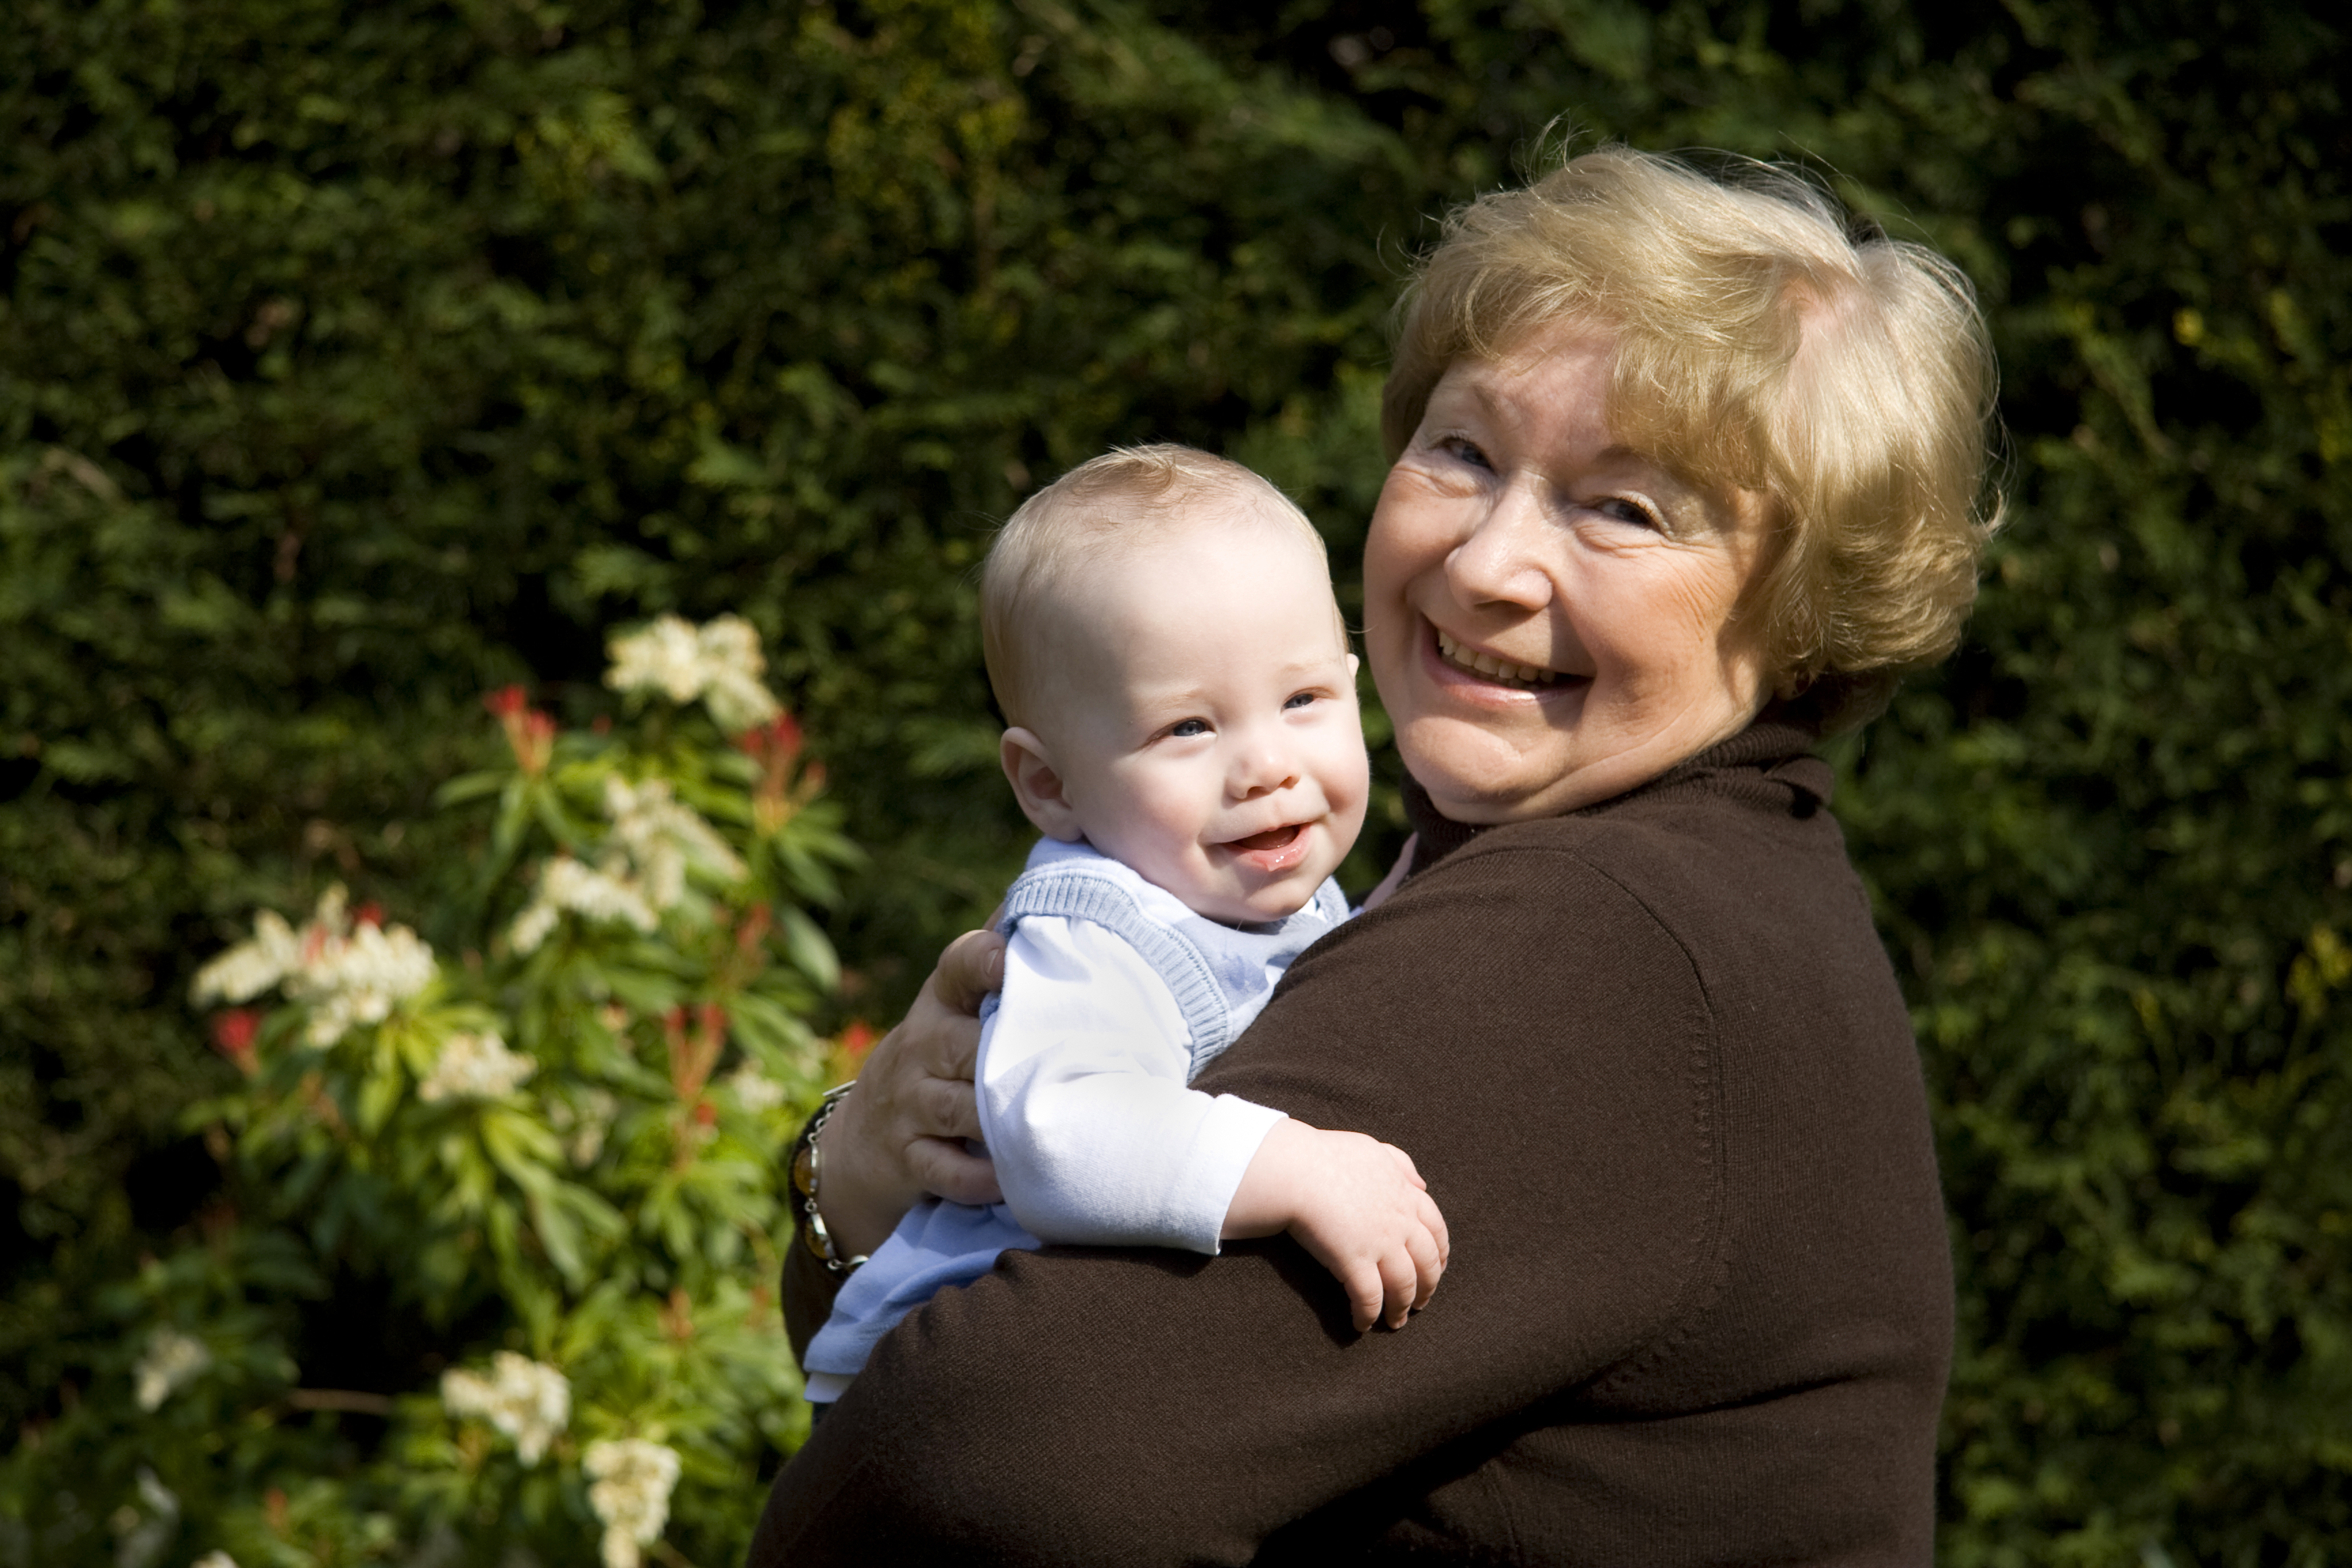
(1203, 724)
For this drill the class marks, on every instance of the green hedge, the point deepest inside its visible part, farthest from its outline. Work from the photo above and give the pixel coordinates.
(358, 358)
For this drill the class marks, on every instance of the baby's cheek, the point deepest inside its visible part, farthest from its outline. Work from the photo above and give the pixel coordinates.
(1163, 817)
(1350, 776)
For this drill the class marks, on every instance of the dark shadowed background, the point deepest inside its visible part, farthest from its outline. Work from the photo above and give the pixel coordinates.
(357, 359)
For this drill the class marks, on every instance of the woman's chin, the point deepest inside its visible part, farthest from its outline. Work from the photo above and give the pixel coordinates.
(1476, 774)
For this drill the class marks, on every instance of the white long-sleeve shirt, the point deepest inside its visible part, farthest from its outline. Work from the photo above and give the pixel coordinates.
(1085, 1059)
(1083, 1102)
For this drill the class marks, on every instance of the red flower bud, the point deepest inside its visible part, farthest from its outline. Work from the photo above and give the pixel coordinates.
(234, 1032)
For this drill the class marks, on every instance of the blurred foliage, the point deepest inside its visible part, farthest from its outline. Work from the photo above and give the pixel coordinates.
(357, 360)
(560, 1145)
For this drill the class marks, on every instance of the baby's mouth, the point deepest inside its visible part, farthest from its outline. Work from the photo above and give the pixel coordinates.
(1273, 851)
(1502, 672)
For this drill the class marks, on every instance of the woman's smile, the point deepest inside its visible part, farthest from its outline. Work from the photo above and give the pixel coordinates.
(1492, 668)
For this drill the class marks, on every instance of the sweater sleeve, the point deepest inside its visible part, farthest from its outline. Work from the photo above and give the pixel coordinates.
(1083, 1100)
(1540, 1045)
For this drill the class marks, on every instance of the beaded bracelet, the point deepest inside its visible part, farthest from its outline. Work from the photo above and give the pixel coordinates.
(806, 1169)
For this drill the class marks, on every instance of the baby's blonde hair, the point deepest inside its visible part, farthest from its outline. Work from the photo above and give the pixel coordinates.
(1121, 499)
(1758, 345)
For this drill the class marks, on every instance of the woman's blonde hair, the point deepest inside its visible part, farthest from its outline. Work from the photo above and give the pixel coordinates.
(1124, 498)
(1758, 344)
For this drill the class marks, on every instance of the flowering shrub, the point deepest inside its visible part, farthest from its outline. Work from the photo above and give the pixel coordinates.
(558, 1144)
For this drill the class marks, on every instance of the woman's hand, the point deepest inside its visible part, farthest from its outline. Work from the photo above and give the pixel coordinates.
(900, 1133)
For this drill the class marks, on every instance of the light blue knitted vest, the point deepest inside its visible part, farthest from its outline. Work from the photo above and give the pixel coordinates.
(1221, 974)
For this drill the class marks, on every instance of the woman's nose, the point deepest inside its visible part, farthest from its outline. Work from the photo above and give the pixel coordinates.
(1503, 561)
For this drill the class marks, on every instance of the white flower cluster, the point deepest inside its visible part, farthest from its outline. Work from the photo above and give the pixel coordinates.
(171, 1359)
(527, 1400)
(753, 1090)
(215, 1560)
(584, 1124)
(630, 1495)
(719, 662)
(565, 884)
(661, 837)
(143, 1532)
(642, 872)
(346, 974)
(475, 1067)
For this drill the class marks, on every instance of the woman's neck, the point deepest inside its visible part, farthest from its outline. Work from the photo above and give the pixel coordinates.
(1774, 733)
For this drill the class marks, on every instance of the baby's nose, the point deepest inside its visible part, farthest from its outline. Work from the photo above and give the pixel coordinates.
(1263, 769)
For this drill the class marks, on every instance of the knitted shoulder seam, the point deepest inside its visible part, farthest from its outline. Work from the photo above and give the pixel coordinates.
(1088, 893)
(1700, 1284)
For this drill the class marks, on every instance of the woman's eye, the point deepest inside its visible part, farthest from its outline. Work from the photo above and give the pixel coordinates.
(1466, 449)
(1186, 728)
(1629, 511)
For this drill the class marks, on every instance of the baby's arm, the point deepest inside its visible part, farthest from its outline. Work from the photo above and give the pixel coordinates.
(1098, 1141)
(1358, 1205)
(1083, 1102)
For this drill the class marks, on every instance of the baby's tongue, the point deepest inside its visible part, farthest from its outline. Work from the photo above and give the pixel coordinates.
(1272, 839)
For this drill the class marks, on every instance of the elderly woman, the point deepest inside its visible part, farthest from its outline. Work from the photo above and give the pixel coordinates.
(1682, 476)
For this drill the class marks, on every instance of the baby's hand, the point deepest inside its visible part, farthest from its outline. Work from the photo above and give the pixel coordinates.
(1357, 1205)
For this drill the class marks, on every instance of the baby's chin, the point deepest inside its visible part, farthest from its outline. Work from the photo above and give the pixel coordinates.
(1262, 899)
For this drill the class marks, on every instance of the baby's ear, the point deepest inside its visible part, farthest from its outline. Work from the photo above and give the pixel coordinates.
(1037, 785)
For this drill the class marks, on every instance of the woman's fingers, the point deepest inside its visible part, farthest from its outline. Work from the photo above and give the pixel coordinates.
(900, 1134)
(943, 1108)
(972, 966)
(944, 1166)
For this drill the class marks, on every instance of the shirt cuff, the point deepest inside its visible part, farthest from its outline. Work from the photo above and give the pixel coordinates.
(1227, 1140)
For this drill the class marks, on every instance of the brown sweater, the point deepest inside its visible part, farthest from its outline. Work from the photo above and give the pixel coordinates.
(1653, 1065)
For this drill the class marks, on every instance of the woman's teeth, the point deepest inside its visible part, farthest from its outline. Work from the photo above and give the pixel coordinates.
(1494, 669)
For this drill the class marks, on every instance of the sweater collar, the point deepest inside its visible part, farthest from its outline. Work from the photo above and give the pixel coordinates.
(1772, 747)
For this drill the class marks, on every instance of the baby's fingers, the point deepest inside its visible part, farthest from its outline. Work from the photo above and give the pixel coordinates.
(1366, 1283)
(1411, 1173)
(1434, 1221)
(1400, 1282)
(1428, 1265)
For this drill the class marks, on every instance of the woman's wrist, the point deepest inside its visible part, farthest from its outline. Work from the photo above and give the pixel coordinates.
(905, 1133)
(808, 1174)
(859, 1201)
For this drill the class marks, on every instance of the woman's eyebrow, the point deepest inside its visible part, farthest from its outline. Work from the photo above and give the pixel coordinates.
(1489, 399)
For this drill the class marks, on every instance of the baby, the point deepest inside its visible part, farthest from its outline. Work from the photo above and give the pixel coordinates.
(1162, 635)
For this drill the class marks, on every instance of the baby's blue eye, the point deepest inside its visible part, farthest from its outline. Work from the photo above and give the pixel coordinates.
(1299, 699)
(1185, 729)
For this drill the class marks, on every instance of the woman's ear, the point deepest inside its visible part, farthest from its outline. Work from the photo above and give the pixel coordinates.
(1037, 785)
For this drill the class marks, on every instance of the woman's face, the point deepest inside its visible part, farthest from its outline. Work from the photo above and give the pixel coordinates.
(1549, 615)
